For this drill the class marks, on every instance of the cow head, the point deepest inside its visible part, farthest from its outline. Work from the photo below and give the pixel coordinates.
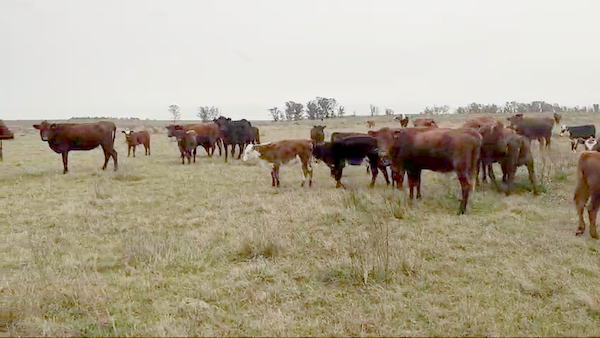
(563, 130)
(46, 129)
(172, 129)
(590, 143)
(557, 117)
(250, 153)
(385, 140)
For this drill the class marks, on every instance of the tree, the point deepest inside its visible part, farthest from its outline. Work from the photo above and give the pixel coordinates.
(312, 110)
(294, 111)
(326, 107)
(341, 111)
(389, 112)
(374, 110)
(276, 114)
(175, 112)
(207, 114)
(596, 108)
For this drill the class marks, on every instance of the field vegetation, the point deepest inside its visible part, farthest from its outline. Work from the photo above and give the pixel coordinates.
(163, 249)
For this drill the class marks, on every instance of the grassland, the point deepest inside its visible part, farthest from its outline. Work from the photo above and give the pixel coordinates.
(163, 249)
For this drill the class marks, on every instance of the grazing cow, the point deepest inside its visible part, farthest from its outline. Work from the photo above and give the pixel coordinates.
(5, 134)
(588, 185)
(424, 122)
(187, 143)
(352, 149)
(282, 152)
(576, 133)
(208, 135)
(534, 128)
(317, 135)
(438, 149)
(370, 124)
(510, 150)
(402, 120)
(136, 138)
(64, 137)
(493, 143)
(256, 135)
(235, 133)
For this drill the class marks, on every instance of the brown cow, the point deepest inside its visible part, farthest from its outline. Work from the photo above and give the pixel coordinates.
(283, 152)
(534, 128)
(136, 138)
(424, 122)
(510, 150)
(187, 143)
(439, 149)
(64, 137)
(317, 134)
(557, 118)
(385, 136)
(481, 121)
(208, 135)
(370, 124)
(403, 121)
(5, 134)
(256, 139)
(588, 185)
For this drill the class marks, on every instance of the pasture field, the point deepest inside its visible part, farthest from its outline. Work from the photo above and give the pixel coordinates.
(163, 249)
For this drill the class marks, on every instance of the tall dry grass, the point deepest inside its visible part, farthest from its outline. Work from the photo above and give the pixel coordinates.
(162, 249)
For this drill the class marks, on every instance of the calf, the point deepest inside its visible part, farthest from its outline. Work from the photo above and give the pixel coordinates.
(576, 133)
(403, 121)
(235, 133)
(370, 124)
(442, 150)
(352, 149)
(588, 185)
(64, 137)
(208, 135)
(283, 152)
(317, 135)
(187, 143)
(534, 128)
(424, 122)
(518, 153)
(134, 139)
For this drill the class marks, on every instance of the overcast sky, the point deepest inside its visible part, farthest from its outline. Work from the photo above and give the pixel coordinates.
(64, 58)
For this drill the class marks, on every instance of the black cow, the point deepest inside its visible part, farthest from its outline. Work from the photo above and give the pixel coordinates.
(352, 149)
(235, 133)
(578, 132)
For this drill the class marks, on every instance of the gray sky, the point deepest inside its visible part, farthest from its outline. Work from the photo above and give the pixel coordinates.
(64, 58)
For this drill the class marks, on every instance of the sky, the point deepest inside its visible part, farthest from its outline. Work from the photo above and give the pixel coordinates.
(122, 58)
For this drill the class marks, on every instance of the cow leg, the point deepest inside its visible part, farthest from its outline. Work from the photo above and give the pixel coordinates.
(491, 174)
(128, 151)
(593, 212)
(241, 145)
(582, 194)
(413, 178)
(134, 151)
(107, 155)
(307, 171)
(374, 164)
(531, 171)
(225, 145)
(195, 154)
(65, 158)
(463, 178)
(148, 149)
(275, 174)
(220, 145)
(338, 170)
(113, 153)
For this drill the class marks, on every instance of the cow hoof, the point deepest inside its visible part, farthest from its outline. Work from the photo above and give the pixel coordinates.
(579, 233)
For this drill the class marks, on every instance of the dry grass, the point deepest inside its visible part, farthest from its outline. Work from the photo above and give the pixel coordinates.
(162, 249)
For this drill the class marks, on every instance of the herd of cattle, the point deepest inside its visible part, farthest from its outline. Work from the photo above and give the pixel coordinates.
(467, 150)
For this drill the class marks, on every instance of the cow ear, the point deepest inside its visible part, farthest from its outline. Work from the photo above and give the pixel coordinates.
(37, 126)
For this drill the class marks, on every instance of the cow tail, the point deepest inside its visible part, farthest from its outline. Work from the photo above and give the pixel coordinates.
(114, 134)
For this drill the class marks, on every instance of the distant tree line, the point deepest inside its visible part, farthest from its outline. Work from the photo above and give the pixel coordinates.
(512, 107)
(105, 118)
